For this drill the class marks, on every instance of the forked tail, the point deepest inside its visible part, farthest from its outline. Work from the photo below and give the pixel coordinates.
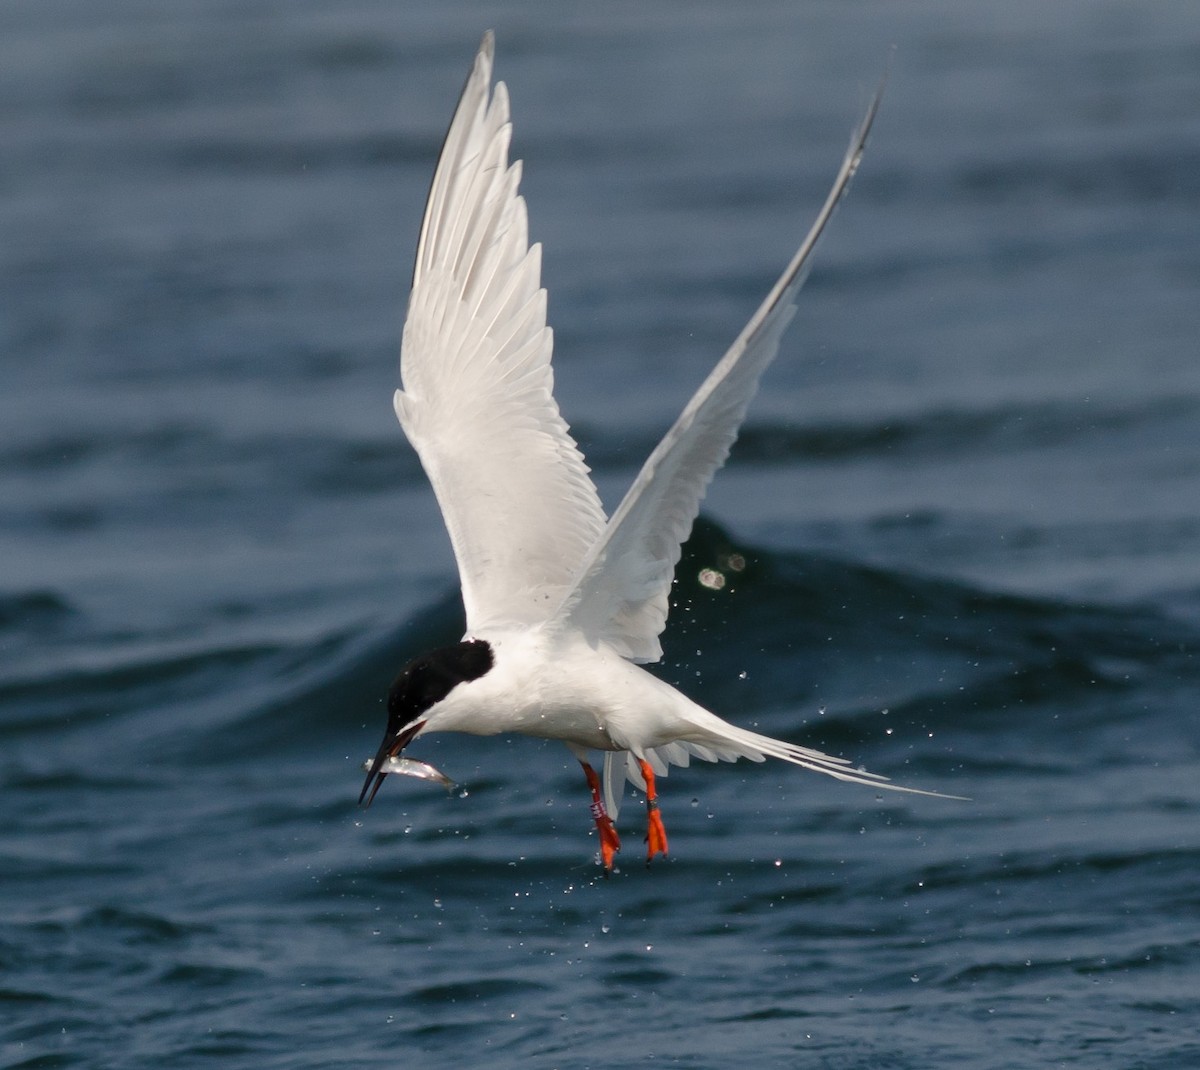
(730, 744)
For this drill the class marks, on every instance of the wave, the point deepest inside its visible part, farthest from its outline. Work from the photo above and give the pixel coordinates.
(811, 647)
(322, 465)
(934, 432)
(33, 612)
(824, 651)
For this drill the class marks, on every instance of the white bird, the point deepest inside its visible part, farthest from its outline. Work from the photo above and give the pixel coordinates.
(561, 603)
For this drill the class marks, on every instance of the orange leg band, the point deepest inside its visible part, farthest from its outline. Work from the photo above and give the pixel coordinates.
(610, 842)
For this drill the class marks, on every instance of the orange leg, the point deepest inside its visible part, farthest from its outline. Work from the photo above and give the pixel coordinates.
(656, 834)
(610, 842)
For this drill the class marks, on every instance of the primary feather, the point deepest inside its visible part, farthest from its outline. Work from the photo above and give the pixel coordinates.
(621, 595)
(477, 403)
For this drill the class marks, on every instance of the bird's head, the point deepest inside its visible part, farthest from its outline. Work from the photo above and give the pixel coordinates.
(421, 685)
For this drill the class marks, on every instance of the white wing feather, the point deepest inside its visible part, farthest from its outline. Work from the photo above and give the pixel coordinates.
(621, 596)
(477, 403)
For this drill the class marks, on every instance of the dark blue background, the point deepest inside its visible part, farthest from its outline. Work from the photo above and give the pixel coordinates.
(969, 495)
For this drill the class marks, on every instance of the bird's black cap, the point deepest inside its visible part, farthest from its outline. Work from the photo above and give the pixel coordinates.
(422, 684)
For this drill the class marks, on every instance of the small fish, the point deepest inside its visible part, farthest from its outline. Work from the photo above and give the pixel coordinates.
(411, 767)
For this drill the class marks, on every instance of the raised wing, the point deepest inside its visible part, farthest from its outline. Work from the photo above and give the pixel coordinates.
(477, 403)
(621, 597)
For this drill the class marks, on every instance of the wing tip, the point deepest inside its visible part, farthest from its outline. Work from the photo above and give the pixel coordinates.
(485, 57)
(481, 69)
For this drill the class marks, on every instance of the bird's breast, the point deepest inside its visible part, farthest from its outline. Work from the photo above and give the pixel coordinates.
(549, 688)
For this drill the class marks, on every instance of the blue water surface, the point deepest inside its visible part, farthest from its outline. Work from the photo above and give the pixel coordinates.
(960, 537)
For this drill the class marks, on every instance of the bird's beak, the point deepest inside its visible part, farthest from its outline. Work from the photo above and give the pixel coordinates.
(392, 745)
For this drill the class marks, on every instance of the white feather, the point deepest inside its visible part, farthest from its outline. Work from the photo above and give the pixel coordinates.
(621, 596)
(564, 601)
(477, 403)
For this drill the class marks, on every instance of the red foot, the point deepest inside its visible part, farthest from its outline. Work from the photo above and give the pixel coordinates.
(656, 834)
(610, 842)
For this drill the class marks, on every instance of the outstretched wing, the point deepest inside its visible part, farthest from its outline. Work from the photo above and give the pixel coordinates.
(621, 594)
(477, 403)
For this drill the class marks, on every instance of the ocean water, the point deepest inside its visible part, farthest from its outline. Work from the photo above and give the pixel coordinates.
(966, 508)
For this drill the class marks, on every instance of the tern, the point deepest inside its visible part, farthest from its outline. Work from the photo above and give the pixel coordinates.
(563, 605)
